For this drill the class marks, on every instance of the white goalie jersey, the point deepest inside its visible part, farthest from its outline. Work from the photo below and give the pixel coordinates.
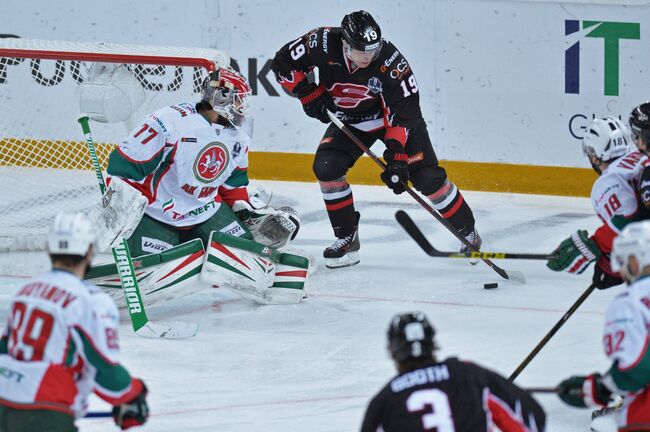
(183, 164)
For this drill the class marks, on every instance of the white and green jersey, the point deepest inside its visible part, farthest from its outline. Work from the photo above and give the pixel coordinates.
(59, 345)
(183, 164)
(626, 342)
(615, 197)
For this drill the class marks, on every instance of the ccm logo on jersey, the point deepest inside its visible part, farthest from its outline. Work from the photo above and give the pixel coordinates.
(348, 95)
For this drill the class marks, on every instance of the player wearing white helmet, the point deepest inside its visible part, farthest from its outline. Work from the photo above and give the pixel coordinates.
(60, 343)
(614, 196)
(189, 162)
(626, 338)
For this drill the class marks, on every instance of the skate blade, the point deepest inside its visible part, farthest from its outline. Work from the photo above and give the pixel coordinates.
(350, 259)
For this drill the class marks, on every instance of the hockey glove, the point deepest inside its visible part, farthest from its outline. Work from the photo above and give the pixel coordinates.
(574, 254)
(584, 391)
(603, 279)
(396, 172)
(269, 226)
(316, 100)
(133, 413)
(118, 214)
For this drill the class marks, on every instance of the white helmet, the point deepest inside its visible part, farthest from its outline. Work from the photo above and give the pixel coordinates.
(606, 138)
(70, 234)
(634, 240)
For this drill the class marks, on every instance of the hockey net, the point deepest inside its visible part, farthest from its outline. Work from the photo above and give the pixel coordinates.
(44, 87)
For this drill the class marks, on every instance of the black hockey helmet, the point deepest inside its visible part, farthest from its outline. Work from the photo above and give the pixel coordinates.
(361, 32)
(640, 123)
(410, 336)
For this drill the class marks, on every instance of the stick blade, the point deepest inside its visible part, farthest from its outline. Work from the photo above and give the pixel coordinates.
(168, 330)
(516, 276)
(412, 229)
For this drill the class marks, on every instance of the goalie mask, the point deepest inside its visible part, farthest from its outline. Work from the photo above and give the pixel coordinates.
(228, 92)
(410, 336)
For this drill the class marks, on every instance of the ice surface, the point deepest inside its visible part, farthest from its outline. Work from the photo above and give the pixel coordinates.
(314, 366)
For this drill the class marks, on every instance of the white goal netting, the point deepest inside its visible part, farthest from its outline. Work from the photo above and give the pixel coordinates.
(44, 87)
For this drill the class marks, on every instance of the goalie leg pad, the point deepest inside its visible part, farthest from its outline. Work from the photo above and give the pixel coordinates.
(164, 276)
(254, 270)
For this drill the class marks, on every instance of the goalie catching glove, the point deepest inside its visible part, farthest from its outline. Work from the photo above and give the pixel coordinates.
(118, 213)
(575, 253)
(269, 226)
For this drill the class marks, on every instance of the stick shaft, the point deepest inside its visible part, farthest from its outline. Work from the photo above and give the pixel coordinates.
(415, 195)
(121, 253)
(552, 332)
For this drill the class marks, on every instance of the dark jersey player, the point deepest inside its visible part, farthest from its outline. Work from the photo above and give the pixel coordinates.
(367, 82)
(444, 396)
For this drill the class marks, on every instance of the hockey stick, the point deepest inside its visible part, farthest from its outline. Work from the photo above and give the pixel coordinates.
(415, 196)
(99, 414)
(407, 223)
(141, 324)
(541, 389)
(412, 229)
(554, 330)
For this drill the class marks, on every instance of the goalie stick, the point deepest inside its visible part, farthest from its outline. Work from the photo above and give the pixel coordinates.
(141, 324)
(415, 195)
(412, 229)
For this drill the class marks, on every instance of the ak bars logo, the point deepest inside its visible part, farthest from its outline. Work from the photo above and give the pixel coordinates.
(611, 32)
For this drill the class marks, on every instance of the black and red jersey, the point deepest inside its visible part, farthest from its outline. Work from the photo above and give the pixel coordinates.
(452, 396)
(383, 95)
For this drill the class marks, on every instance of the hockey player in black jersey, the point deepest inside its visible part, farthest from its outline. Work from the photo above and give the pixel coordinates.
(367, 82)
(444, 396)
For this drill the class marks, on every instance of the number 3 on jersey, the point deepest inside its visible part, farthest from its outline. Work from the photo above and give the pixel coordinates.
(440, 419)
(30, 331)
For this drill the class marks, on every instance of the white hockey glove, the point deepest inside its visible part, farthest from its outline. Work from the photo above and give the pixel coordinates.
(118, 213)
(269, 226)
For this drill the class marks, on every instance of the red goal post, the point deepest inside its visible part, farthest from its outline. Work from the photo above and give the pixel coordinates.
(44, 87)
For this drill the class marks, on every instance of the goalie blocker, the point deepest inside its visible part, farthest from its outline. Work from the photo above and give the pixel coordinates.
(259, 272)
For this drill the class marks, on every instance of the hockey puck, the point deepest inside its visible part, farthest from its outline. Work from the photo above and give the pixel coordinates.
(490, 285)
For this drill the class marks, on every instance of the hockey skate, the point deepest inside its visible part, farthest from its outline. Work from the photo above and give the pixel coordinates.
(344, 251)
(475, 240)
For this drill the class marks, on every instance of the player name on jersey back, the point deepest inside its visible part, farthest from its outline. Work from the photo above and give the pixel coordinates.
(418, 377)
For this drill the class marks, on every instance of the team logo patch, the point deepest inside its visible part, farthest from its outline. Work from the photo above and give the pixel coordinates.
(211, 162)
(375, 85)
(347, 95)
